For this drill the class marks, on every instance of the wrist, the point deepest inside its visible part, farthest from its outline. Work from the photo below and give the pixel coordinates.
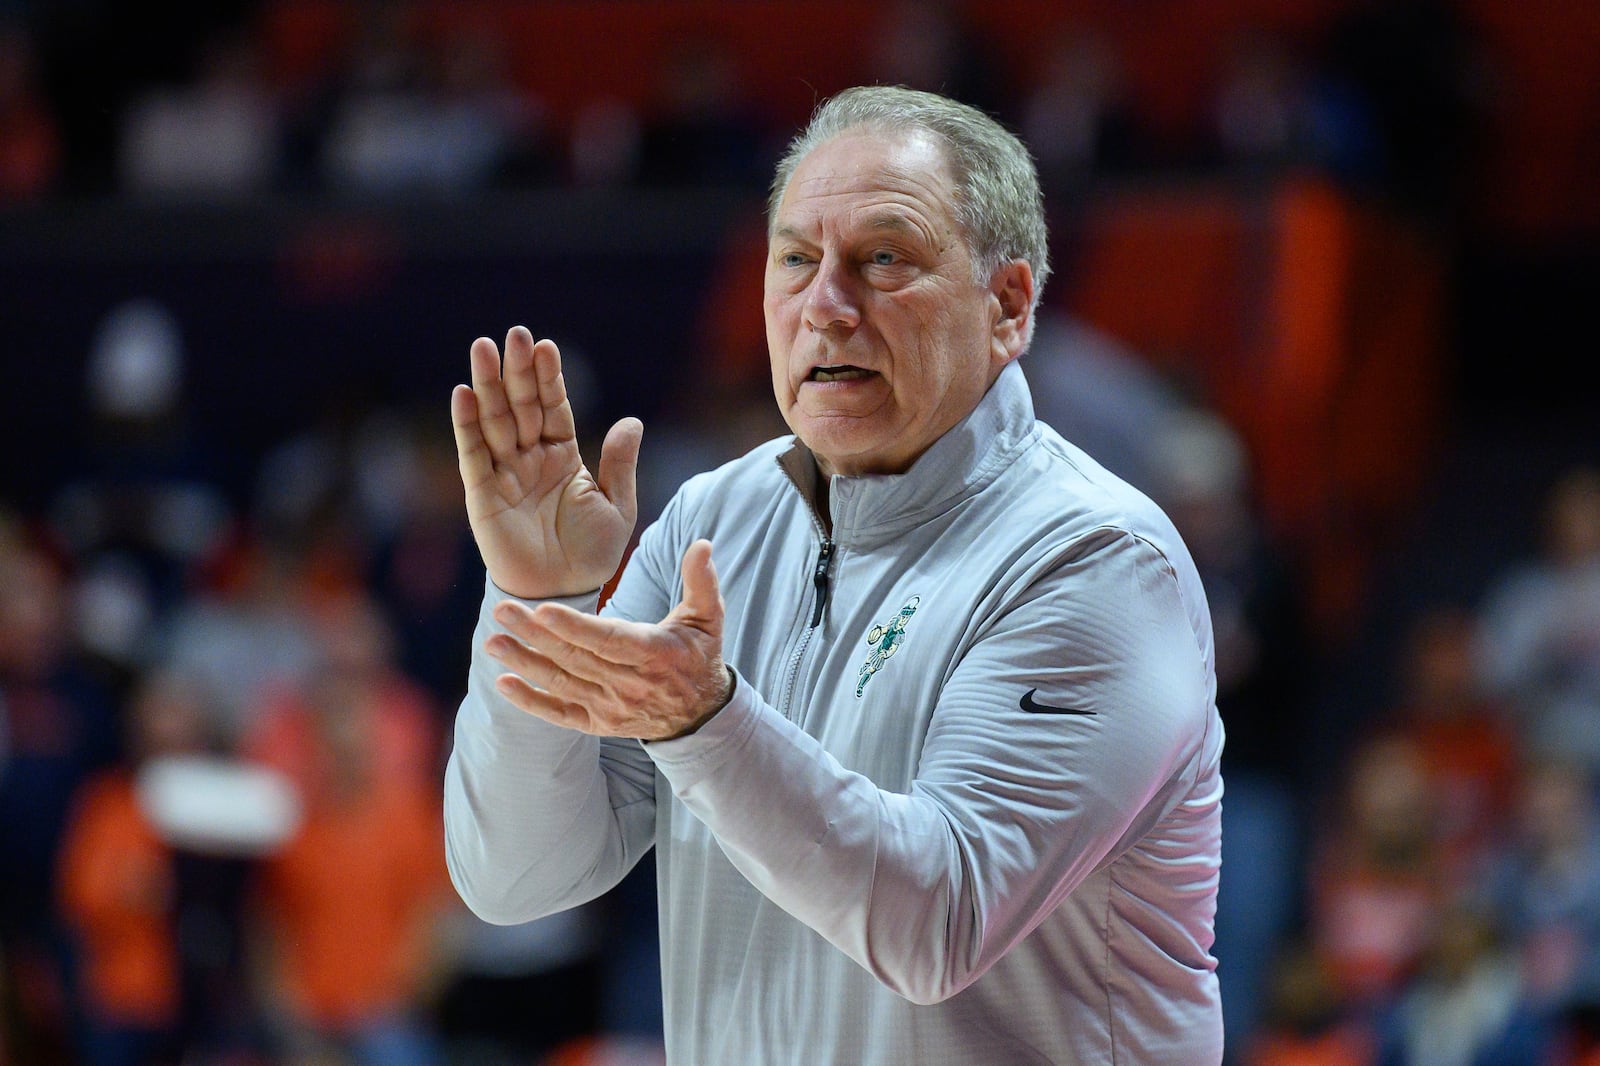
(730, 682)
(535, 596)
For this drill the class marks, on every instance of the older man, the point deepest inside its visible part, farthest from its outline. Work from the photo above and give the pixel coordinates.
(930, 756)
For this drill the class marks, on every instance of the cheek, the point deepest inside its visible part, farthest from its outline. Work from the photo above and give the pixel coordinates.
(779, 341)
(779, 337)
(780, 383)
(781, 309)
(946, 374)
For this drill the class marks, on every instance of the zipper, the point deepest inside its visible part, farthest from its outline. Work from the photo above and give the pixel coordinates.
(819, 578)
(819, 581)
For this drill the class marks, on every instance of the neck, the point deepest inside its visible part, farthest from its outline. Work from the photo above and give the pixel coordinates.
(819, 499)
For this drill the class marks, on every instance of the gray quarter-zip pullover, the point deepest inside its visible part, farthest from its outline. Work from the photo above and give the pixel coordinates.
(964, 806)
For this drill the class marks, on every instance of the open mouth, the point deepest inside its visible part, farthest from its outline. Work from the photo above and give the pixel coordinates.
(838, 372)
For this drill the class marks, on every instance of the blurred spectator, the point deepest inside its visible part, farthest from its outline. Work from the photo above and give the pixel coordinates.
(1101, 395)
(349, 905)
(372, 132)
(630, 1002)
(1305, 1020)
(1075, 117)
(1467, 744)
(1200, 474)
(354, 674)
(215, 817)
(513, 994)
(699, 129)
(351, 469)
(217, 135)
(141, 514)
(30, 146)
(1541, 625)
(378, 497)
(411, 118)
(1375, 887)
(119, 889)
(495, 131)
(1260, 117)
(933, 46)
(1466, 1007)
(59, 724)
(1545, 886)
(242, 634)
(427, 572)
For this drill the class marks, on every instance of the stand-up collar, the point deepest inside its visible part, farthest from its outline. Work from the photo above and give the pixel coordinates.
(874, 507)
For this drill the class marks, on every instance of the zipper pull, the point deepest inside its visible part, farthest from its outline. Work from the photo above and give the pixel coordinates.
(819, 578)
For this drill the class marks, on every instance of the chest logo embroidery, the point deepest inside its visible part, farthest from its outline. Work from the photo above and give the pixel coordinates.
(885, 639)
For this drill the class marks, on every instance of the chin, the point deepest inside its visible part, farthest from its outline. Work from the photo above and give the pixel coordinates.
(847, 443)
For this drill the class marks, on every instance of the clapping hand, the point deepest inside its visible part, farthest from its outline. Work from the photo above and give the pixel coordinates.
(544, 525)
(613, 677)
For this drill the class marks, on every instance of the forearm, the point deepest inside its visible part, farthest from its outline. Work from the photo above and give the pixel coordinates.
(537, 818)
(878, 874)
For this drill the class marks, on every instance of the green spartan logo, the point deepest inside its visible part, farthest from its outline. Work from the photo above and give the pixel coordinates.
(885, 639)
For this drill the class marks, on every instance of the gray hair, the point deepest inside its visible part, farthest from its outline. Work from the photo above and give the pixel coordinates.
(998, 203)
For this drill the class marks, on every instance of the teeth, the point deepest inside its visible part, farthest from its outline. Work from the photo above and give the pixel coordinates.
(838, 373)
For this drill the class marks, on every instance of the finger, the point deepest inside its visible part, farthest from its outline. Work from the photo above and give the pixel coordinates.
(544, 670)
(702, 605)
(516, 617)
(555, 410)
(589, 676)
(522, 387)
(472, 453)
(542, 704)
(618, 471)
(494, 412)
(612, 639)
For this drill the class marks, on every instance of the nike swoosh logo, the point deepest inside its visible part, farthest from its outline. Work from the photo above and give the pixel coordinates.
(1031, 707)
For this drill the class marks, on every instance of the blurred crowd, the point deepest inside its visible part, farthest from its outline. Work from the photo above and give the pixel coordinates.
(384, 98)
(221, 740)
(224, 712)
(1451, 887)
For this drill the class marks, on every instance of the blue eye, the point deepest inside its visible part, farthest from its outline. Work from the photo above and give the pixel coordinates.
(793, 259)
(884, 258)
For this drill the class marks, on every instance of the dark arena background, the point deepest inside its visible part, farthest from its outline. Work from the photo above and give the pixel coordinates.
(1326, 281)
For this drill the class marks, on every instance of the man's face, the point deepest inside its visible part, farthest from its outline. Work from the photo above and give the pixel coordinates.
(880, 338)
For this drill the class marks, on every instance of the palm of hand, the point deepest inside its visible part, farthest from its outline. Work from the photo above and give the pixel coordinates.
(543, 512)
(544, 524)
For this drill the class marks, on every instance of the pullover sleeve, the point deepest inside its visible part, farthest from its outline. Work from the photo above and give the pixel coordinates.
(537, 818)
(1010, 810)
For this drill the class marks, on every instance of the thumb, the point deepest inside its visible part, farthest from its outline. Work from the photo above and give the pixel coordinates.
(702, 595)
(617, 473)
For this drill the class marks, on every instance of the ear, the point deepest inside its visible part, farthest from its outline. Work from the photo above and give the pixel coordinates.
(1012, 289)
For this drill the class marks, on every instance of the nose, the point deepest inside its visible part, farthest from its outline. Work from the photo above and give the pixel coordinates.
(830, 300)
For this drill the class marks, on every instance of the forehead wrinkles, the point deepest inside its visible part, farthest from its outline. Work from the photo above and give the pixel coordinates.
(864, 212)
(906, 176)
